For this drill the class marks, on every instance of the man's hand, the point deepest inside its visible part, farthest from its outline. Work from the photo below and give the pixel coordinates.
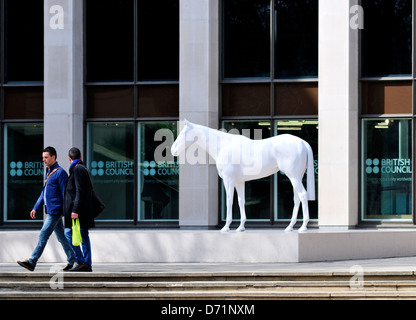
(33, 214)
(74, 215)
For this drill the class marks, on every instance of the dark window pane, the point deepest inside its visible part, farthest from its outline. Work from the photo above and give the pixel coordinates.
(246, 100)
(159, 101)
(307, 129)
(159, 172)
(257, 192)
(110, 40)
(24, 40)
(158, 40)
(296, 38)
(110, 154)
(23, 179)
(110, 102)
(387, 37)
(296, 99)
(386, 97)
(23, 103)
(246, 38)
(387, 169)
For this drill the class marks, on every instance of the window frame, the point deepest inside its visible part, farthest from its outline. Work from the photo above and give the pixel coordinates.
(270, 116)
(4, 86)
(383, 116)
(136, 83)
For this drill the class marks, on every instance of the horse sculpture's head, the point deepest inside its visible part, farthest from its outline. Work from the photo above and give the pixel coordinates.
(181, 143)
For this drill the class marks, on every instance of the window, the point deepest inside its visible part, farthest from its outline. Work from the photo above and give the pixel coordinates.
(132, 92)
(23, 103)
(110, 154)
(21, 107)
(387, 111)
(307, 130)
(110, 40)
(158, 40)
(23, 170)
(386, 97)
(245, 100)
(257, 192)
(159, 172)
(296, 98)
(117, 51)
(23, 37)
(296, 38)
(246, 38)
(386, 38)
(247, 33)
(386, 169)
(110, 102)
(269, 73)
(158, 101)
(259, 204)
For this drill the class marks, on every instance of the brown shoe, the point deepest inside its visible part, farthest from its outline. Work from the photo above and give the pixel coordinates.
(26, 264)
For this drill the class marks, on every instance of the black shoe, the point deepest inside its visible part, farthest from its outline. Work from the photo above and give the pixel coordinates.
(81, 267)
(26, 264)
(68, 267)
(87, 268)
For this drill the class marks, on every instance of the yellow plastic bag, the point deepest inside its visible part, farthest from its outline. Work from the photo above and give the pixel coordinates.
(76, 233)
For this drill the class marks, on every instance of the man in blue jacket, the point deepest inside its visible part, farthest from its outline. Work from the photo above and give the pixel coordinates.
(52, 197)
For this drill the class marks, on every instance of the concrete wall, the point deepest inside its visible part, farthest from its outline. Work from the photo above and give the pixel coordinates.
(338, 116)
(209, 246)
(63, 76)
(198, 102)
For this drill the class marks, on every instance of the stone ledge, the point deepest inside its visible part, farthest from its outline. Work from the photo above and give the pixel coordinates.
(212, 246)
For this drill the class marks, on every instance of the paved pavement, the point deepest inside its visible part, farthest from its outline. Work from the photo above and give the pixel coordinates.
(394, 265)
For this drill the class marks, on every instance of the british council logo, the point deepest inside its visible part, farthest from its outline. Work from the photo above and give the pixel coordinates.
(149, 168)
(16, 168)
(372, 166)
(97, 168)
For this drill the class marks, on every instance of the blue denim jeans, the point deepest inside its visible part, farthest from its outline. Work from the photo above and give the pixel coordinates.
(84, 255)
(52, 223)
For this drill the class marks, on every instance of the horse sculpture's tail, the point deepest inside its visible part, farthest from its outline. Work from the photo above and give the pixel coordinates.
(310, 174)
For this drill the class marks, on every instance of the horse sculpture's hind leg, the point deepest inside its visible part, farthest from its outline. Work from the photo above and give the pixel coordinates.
(302, 195)
(241, 202)
(229, 190)
(295, 211)
(305, 211)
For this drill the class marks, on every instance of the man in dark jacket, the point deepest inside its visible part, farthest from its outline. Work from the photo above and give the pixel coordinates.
(52, 197)
(78, 204)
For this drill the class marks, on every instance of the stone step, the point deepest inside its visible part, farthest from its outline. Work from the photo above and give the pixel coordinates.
(215, 295)
(280, 286)
(206, 285)
(205, 276)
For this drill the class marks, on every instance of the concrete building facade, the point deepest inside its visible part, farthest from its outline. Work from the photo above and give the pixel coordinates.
(115, 72)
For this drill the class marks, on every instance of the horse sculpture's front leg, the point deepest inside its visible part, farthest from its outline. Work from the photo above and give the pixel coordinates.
(241, 203)
(229, 190)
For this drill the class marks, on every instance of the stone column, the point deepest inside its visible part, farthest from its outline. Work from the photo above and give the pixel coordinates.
(338, 113)
(198, 98)
(63, 76)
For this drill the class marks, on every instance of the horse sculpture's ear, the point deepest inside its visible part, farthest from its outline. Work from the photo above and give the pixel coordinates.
(188, 123)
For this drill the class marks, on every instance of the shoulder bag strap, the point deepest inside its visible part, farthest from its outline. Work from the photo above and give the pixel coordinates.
(50, 173)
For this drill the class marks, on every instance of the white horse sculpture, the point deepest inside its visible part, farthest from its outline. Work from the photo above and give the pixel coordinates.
(240, 159)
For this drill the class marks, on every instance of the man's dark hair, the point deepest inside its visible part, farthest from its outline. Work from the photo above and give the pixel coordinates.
(74, 153)
(51, 151)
